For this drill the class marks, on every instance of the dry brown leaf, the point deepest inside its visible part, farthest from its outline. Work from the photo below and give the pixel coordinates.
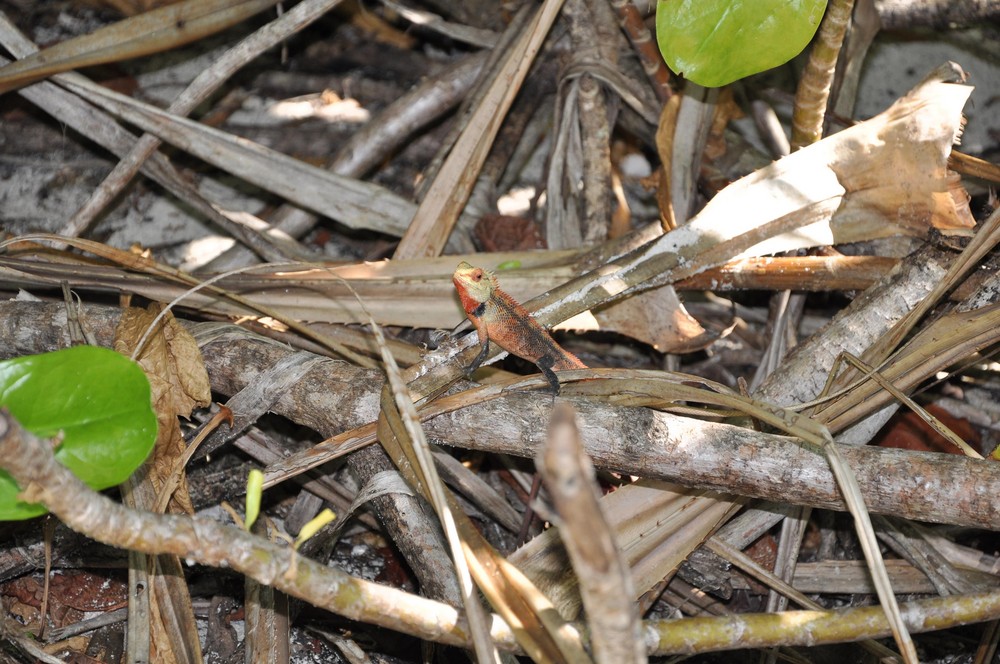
(179, 384)
(500, 232)
(665, 150)
(656, 317)
(378, 28)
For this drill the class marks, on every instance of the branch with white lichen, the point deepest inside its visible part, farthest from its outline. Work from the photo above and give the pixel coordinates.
(30, 461)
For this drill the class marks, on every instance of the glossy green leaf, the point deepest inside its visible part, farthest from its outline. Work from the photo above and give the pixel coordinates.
(97, 400)
(715, 42)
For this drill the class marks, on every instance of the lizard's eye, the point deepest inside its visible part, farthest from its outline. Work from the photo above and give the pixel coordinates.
(477, 275)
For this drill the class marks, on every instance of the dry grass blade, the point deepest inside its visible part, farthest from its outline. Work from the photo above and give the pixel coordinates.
(422, 299)
(149, 266)
(327, 450)
(921, 412)
(409, 435)
(154, 31)
(348, 441)
(434, 219)
(660, 535)
(869, 544)
(948, 340)
(987, 237)
(197, 91)
(535, 624)
(32, 269)
(352, 202)
(813, 432)
(477, 490)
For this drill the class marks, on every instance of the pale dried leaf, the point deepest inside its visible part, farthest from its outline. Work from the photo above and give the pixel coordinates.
(174, 358)
(434, 219)
(152, 32)
(178, 381)
(658, 318)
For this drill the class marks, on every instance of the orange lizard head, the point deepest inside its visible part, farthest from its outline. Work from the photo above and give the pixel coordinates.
(474, 285)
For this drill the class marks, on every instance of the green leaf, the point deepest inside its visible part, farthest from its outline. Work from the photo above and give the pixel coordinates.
(715, 42)
(96, 399)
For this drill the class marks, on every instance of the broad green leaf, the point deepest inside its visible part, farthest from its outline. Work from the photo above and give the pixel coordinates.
(715, 42)
(96, 399)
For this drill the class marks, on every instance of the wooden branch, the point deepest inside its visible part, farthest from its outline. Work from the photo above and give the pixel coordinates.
(31, 463)
(638, 34)
(605, 582)
(814, 88)
(336, 396)
(935, 14)
(212, 543)
(724, 458)
(396, 296)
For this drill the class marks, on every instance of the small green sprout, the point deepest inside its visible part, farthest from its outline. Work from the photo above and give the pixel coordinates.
(255, 488)
(313, 527)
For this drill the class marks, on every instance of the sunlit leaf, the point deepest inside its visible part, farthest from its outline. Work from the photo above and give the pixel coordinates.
(715, 42)
(95, 399)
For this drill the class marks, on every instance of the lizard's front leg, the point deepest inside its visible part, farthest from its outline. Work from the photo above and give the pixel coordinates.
(478, 362)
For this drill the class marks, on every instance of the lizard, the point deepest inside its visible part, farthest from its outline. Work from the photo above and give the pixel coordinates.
(501, 319)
